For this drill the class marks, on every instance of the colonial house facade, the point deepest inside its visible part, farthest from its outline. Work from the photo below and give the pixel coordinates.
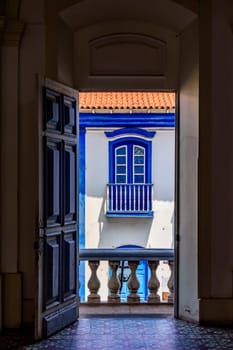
(127, 175)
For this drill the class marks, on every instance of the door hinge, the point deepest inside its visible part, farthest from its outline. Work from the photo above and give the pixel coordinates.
(177, 238)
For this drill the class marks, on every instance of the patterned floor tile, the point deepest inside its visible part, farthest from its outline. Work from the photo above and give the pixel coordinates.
(131, 333)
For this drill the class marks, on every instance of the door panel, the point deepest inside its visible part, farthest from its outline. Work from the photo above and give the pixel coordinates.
(58, 205)
(69, 264)
(52, 198)
(52, 111)
(70, 203)
(52, 269)
(70, 122)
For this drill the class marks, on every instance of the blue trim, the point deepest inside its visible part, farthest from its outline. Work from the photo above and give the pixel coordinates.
(128, 214)
(126, 120)
(129, 141)
(82, 150)
(141, 132)
(129, 246)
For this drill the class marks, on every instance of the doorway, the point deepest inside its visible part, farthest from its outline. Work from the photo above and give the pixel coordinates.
(122, 140)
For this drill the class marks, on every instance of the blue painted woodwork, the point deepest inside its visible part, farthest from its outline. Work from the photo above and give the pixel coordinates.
(129, 142)
(59, 225)
(55, 321)
(130, 189)
(70, 116)
(52, 291)
(127, 120)
(52, 107)
(129, 200)
(69, 263)
(52, 182)
(141, 132)
(70, 198)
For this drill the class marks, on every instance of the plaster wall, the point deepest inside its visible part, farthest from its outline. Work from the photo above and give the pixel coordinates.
(215, 168)
(32, 64)
(188, 179)
(152, 48)
(222, 151)
(65, 55)
(9, 159)
(109, 232)
(106, 232)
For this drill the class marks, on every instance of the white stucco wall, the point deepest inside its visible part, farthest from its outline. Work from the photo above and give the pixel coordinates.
(109, 232)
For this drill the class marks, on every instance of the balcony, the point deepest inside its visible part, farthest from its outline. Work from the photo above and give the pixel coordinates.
(113, 257)
(129, 200)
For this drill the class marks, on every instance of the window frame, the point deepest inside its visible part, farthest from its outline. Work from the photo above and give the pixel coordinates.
(130, 142)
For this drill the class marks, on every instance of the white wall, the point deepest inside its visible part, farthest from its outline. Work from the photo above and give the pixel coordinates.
(188, 158)
(109, 232)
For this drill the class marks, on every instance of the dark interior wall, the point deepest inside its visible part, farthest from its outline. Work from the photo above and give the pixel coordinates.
(65, 55)
(32, 65)
(215, 165)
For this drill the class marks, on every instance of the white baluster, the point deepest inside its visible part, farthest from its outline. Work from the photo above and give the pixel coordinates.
(143, 197)
(138, 191)
(153, 284)
(130, 204)
(120, 197)
(125, 197)
(112, 198)
(108, 197)
(133, 283)
(114, 283)
(148, 197)
(93, 283)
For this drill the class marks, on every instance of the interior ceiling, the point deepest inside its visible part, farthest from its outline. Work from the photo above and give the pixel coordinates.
(166, 13)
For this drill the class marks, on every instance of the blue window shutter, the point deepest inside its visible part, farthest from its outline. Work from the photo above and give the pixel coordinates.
(130, 188)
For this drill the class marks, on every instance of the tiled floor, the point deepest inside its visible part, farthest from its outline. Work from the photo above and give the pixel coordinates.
(133, 333)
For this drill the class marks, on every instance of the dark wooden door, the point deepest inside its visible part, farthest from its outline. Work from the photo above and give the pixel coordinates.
(58, 201)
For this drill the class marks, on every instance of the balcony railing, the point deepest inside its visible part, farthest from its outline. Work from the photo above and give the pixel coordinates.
(133, 257)
(129, 199)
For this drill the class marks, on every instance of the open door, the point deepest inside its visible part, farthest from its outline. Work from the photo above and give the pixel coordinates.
(57, 289)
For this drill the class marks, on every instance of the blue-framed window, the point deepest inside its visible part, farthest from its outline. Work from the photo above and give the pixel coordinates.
(130, 187)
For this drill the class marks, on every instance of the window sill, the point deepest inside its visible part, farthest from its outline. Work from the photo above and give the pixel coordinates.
(129, 214)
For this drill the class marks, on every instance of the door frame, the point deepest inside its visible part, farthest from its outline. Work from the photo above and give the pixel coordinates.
(176, 235)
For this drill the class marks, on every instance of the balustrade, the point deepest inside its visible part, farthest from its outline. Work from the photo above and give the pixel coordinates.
(114, 256)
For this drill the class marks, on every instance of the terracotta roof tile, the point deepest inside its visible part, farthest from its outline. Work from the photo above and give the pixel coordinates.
(127, 100)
